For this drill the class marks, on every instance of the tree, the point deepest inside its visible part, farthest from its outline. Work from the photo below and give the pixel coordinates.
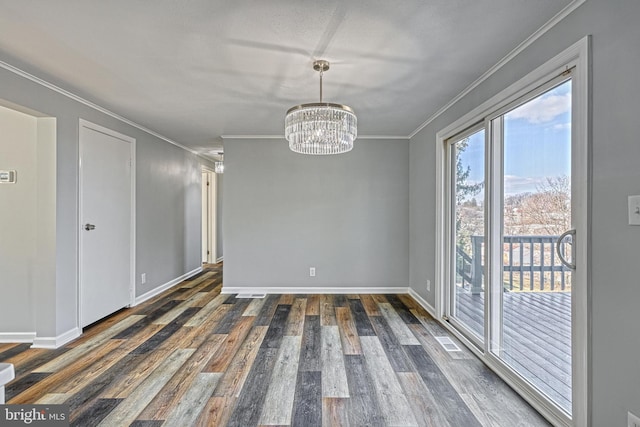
(469, 216)
(548, 210)
(464, 189)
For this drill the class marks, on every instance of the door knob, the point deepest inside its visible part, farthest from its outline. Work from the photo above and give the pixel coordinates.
(89, 227)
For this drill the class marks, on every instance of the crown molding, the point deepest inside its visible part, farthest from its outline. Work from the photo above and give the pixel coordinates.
(251, 137)
(521, 47)
(282, 137)
(97, 107)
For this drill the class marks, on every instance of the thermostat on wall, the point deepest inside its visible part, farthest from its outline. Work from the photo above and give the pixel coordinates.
(8, 177)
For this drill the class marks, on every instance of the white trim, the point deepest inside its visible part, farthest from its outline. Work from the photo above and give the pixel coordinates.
(576, 55)
(219, 260)
(14, 337)
(251, 137)
(82, 123)
(442, 232)
(312, 290)
(133, 240)
(514, 91)
(582, 223)
(158, 290)
(521, 47)
(213, 216)
(360, 137)
(90, 104)
(423, 302)
(57, 342)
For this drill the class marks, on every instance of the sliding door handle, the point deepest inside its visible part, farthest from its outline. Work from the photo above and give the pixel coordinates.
(559, 250)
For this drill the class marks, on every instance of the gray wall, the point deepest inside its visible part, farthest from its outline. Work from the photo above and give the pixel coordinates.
(615, 277)
(168, 190)
(346, 215)
(18, 207)
(168, 205)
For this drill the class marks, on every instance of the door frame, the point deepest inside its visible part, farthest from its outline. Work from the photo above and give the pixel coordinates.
(132, 237)
(212, 219)
(576, 56)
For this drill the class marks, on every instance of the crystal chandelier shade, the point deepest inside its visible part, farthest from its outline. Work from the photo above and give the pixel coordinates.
(218, 167)
(320, 128)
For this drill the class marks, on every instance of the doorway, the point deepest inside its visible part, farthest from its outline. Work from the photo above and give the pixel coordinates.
(107, 227)
(209, 217)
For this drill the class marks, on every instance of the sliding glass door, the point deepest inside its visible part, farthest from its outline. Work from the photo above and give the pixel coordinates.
(531, 307)
(510, 272)
(468, 225)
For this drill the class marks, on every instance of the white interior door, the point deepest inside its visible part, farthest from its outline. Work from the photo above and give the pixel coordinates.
(206, 245)
(209, 236)
(106, 222)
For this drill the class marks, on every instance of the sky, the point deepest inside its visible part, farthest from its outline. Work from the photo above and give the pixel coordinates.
(537, 143)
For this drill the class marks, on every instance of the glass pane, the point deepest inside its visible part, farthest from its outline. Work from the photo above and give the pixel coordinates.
(536, 297)
(468, 199)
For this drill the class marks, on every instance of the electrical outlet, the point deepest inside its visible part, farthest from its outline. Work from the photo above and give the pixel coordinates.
(312, 272)
(428, 285)
(632, 420)
(143, 278)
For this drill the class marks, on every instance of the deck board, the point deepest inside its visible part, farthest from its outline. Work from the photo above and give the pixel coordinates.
(536, 337)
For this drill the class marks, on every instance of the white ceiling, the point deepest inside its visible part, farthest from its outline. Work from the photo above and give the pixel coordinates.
(197, 70)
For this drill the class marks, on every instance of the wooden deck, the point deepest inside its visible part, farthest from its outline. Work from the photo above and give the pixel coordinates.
(536, 340)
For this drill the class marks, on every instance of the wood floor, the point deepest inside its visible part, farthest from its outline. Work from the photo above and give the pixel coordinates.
(194, 357)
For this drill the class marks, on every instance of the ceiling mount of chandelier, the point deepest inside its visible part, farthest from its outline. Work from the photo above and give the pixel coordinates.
(320, 128)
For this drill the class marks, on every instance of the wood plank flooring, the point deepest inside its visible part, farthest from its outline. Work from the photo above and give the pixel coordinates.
(194, 357)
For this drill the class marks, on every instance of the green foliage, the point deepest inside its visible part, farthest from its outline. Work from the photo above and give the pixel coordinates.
(465, 199)
(464, 190)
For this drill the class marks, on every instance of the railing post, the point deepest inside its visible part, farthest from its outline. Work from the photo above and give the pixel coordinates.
(476, 284)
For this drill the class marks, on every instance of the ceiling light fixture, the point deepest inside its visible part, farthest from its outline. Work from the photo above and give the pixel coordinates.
(218, 167)
(320, 128)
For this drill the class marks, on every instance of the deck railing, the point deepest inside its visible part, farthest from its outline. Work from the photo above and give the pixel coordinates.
(529, 263)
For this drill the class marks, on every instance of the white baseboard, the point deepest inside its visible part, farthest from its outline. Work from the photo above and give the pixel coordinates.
(15, 337)
(220, 259)
(160, 289)
(312, 290)
(56, 342)
(423, 302)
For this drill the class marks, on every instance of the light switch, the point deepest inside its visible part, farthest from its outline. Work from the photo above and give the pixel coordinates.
(8, 177)
(634, 210)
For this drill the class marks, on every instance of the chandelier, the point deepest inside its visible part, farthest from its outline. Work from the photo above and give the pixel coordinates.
(218, 167)
(321, 127)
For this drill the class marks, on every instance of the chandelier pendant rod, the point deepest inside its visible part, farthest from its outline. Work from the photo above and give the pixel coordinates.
(321, 72)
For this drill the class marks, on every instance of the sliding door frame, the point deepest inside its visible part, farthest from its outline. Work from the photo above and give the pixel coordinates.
(450, 260)
(576, 58)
